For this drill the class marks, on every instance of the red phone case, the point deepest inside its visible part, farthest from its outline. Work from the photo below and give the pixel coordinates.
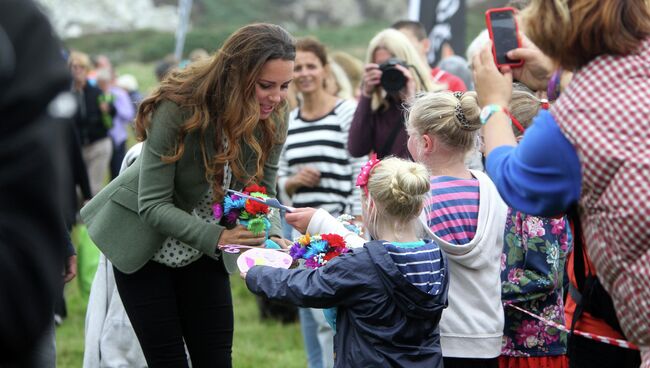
(488, 22)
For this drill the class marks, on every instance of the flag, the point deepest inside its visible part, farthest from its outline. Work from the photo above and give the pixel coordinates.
(444, 21)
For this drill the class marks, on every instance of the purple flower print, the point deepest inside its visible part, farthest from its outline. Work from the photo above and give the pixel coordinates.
(534, 227)
(558, 226)
(518, 223)
(515, 274)
(564, 242)
(528, 334)
(552, 312)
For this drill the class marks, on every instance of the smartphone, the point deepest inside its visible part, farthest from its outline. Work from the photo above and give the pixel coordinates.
(504, 33)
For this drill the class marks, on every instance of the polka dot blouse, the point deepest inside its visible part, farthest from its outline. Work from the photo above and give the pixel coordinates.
(174, 253)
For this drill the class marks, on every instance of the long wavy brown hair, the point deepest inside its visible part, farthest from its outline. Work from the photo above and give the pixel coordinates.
(220, 92)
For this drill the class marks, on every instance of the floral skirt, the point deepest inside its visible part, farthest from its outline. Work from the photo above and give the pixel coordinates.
(557, 361)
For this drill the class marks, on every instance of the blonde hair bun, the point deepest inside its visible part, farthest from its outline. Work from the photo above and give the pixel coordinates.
(399, 187)
(453, 117)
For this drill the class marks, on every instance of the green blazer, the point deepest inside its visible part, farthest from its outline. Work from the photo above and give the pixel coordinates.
(131, 217)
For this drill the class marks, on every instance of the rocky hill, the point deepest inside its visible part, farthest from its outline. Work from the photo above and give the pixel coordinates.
(74, 18)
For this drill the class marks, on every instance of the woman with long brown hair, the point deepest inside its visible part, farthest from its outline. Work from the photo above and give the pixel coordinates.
(589, 153)
(217, 125)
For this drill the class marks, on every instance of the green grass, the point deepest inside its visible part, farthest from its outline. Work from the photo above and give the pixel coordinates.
(143, 72)
(256, 343)
(70, 335)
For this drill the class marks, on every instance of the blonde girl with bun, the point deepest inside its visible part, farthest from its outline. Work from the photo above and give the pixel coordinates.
(466, 217)
(390, 293)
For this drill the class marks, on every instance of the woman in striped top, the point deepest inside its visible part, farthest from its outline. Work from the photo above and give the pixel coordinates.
(466, 217)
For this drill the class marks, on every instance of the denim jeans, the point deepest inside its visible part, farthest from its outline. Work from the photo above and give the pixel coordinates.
(309, 327)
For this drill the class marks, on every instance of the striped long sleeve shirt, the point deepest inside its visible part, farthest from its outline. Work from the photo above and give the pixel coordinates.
(322, 145)
(452, 208)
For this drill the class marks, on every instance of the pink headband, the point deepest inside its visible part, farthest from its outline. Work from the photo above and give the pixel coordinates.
(364, 175)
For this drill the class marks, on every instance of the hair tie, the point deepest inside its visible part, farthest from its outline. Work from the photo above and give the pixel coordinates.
(460, 115)
(364, 175)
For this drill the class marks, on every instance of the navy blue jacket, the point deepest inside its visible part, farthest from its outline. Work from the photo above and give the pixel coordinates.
(382, 320)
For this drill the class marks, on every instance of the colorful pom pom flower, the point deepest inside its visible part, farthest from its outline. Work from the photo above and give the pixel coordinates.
(317, 250)
(247, 212)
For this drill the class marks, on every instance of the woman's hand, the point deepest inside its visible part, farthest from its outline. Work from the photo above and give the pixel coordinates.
(537, 68)
(240, 235)
(300, 218)
(371, 79)
(408, 92)
(305, 177)
(70, 270)
(492, 86)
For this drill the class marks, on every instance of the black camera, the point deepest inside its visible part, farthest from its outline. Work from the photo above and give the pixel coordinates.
(392, 79)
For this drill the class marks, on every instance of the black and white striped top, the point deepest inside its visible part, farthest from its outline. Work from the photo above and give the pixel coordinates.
(322, 145)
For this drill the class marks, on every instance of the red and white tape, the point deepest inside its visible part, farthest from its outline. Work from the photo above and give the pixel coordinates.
(603, 339)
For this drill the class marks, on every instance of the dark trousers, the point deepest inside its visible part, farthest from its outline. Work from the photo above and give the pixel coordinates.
(470, 363)
(119, 151)
(586, 353)
(168, 306)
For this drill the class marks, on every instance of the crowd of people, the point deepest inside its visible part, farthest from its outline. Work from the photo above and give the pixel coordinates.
(505, 209)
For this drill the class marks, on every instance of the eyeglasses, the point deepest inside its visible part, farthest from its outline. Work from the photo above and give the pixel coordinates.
(77, 66)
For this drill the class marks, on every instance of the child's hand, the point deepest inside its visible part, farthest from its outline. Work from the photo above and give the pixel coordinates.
(282, 242)
(300, 218)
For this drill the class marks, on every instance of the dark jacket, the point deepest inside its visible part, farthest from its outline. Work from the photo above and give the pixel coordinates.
(151, 200)
(32, 235)
(382, 320)
(89, 117)
(380, 131)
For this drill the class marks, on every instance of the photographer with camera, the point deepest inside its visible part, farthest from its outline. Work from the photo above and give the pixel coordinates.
(394, 73)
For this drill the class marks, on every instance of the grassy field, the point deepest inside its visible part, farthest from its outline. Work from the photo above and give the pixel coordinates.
(257, 343)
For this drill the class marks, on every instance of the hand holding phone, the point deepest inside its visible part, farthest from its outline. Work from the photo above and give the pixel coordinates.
(504, 33)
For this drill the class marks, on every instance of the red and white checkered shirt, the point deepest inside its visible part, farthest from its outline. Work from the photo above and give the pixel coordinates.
(605, 114)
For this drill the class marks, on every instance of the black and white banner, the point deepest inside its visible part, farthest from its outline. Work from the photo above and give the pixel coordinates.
(444, 21)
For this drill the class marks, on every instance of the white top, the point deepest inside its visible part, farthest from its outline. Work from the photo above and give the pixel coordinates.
(472, 324)
(322, 144)
(324, 223)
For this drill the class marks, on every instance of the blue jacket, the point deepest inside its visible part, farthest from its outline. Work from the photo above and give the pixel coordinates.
(382, 321)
